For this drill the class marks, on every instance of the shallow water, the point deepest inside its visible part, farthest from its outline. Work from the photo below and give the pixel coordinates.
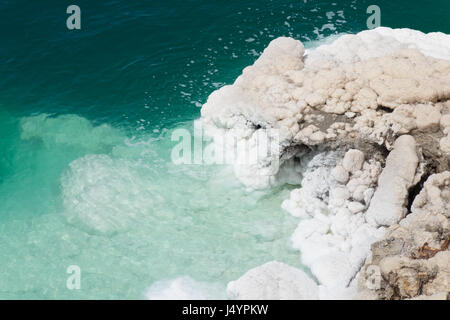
(85, 139)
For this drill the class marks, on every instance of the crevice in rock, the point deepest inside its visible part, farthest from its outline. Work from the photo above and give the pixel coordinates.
(432, 166)
(385, 109)
(415, 190)
(382, 150)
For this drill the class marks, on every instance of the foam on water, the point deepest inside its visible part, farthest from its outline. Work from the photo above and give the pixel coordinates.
(312, 44)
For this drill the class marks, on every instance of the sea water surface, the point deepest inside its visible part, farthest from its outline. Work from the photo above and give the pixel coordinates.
(86, 117)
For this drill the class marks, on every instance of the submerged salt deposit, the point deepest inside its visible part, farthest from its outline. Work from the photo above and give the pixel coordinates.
(360, 123)
(127, 216)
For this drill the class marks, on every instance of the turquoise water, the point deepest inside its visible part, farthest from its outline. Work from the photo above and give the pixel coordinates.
(85, 124)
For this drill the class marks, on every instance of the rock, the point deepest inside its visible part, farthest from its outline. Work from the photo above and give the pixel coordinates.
(284, 86)
(339, 275)
(445, 121)
(317, 137)
(273, 281)
(388, 203)
(382, 90)
(368, 194)
(358, 193)
(444, 144)
(333, 231)
(338, 196)
(340, 174)
(353, 160)
(413, 258)
(355, 207)
(427, 118)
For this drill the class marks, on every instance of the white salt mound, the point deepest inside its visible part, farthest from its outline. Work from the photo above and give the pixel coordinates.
(273, 281)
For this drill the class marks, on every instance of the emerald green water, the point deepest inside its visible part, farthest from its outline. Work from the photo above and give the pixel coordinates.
(85, 124)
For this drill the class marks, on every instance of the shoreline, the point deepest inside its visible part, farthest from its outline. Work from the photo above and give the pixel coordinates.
(364, 124)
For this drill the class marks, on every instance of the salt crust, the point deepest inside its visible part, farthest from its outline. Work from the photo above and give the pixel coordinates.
(384, 87)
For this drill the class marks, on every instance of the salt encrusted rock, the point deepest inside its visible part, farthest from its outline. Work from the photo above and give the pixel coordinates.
(333, 230)
(445, 121)
(444, 144)
(339, 275)
(378, 91)
(355, 207)
(413, 258)
(340, 174)
(353, 160)
(386, 90)
(388, 203)
(338, 195)
(273, 281)
(427, 118)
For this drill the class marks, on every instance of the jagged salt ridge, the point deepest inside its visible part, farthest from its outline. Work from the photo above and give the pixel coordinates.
(363, 92)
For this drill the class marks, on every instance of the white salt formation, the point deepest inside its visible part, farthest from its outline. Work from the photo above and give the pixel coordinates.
(361, 122)
(370, 86)
(389, 201)
(273, 281)
(334, 237)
